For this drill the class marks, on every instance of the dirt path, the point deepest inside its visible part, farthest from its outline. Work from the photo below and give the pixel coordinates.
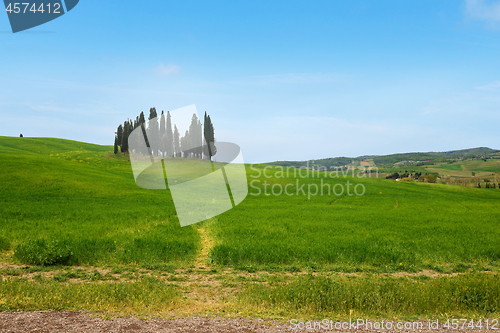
(82, 322)
(207, 242)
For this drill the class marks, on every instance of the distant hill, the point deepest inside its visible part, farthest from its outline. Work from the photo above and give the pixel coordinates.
(388, 161)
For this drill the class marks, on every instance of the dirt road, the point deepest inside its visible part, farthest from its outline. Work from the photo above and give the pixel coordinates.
(81, 322)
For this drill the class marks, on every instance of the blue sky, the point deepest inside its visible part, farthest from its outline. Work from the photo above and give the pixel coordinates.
(292, 80)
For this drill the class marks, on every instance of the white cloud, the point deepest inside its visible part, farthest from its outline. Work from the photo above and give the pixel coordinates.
(166, 70)
(483, 10)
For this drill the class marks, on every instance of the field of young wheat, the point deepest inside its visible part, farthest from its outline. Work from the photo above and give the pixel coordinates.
(67, 206)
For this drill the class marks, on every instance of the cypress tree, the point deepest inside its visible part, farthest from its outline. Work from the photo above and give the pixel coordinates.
(119, 134)
(163, 137)
(199, 139)
(154, 131)
(124, 145)
(205, 135)
(116, 145)
(185, 145)
(176, 142)
(142, 124)
(142, 120)
(194, 137)
(170, 136)
(208, 129)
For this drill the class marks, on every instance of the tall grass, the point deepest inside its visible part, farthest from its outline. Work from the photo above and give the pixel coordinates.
(147, 295)
(4, 244)
(378, 296)
(67, 202)
(84, 198)
(70, 203)
(396, 224)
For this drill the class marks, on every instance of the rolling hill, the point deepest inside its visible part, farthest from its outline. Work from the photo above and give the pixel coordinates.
(411, 159)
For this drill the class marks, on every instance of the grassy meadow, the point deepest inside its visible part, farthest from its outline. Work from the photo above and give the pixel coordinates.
(392, 226)
(73, 222)
(60, 196)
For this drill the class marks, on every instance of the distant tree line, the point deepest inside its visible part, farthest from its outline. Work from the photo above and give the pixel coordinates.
(434, 178)
(166, 139)
(428, 177)
(488, 184)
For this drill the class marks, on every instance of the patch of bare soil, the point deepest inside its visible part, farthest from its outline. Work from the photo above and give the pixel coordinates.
(82, 322)
(67, 321)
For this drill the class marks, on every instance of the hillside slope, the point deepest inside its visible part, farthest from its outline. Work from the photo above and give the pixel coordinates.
(85, 197)
(388, 161)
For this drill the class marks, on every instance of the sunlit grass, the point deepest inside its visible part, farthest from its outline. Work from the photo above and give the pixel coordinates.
(87, 202)
(393, 225)
(379, 296)
(70, 203)
(145, 296)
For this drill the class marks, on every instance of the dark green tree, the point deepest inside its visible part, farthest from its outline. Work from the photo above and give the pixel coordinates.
(208, 131)
(153, 131)
(119, 134)
(142, 124)
(124, 145)
(163, 137)
(116, 145)
(152, 113)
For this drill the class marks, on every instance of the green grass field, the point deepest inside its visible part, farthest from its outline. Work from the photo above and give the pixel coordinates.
(394, 225)
(72, 204)
(59, 196)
